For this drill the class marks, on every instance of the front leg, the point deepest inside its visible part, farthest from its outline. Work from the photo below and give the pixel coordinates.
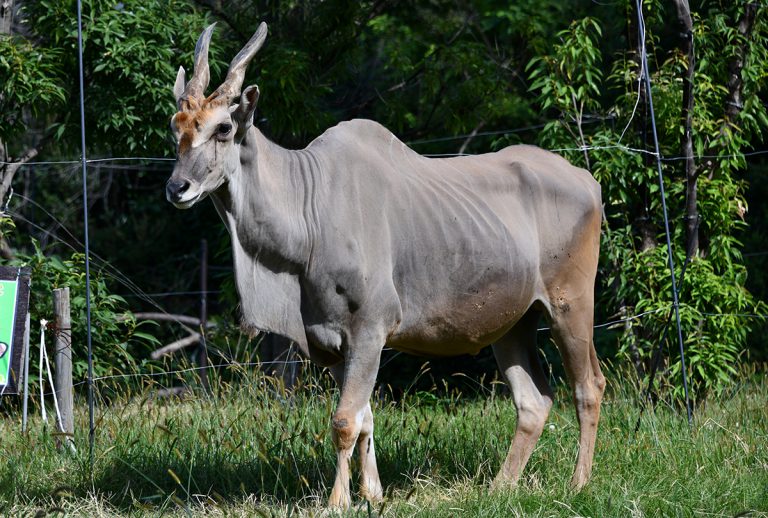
(370, 484)
(352, 423)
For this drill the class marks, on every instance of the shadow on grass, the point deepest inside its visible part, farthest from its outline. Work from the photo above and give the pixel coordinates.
(153, 479)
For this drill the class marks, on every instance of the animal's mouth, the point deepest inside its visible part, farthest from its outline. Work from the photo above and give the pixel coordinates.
(188, 203)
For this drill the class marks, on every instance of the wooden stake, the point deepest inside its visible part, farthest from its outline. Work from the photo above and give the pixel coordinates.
(63, 359)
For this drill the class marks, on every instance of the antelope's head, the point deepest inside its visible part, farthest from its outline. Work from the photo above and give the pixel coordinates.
(209, 130)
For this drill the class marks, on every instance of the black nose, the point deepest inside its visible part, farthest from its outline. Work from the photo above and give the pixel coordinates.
(175, 188)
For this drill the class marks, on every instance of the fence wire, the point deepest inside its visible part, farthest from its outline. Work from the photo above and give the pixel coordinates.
(237, 365)
(618, 146)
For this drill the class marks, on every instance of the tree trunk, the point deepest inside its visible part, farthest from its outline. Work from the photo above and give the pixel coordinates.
(642, 223)
(6, 16)
(734, 102)
(634, 352)
(686, 143)
(8, 170)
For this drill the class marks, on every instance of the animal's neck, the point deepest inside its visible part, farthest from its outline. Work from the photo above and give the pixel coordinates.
(268, 199)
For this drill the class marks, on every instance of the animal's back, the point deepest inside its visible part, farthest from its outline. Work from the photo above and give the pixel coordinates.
(514, 169)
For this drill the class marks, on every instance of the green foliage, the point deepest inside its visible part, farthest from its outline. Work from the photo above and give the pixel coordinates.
(29, 78)
(421, 69)
(569, 79)
(714, 312)
(449, 72)
(433, 72)
(132, 51)
(635, 278)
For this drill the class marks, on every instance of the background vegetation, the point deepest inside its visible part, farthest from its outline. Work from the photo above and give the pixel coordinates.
(447, 77)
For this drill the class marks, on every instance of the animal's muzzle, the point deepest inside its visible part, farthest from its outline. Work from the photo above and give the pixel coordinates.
(175, 189)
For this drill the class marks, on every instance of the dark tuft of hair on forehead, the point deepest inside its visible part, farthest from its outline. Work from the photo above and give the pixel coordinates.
(185, 142)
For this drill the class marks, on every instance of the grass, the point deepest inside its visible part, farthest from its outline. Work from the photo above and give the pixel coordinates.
(248, 451)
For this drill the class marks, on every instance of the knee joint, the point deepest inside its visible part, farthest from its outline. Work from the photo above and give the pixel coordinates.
(531, 418)
(345, 432)
(588, 407)
(600, 383)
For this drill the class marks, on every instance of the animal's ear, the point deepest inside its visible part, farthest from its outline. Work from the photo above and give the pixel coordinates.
(178, 87)
(243, 114)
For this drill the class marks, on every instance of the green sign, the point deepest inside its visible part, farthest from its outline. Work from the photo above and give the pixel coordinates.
(8, 291)
(14, 306)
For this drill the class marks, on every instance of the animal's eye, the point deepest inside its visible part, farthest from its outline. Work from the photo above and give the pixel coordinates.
(224, 129)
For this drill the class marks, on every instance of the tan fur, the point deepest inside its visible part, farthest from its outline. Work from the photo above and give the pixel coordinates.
(194, 113)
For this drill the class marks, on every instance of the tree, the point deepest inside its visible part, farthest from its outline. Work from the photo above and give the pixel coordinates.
(708, 198)
(129, 56)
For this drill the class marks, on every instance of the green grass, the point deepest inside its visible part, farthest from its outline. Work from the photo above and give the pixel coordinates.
(247, 452)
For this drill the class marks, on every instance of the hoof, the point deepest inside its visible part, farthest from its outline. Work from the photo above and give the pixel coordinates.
(580, 478)
(501, 483)
(578, 484)
(339, 500)
(373, 492)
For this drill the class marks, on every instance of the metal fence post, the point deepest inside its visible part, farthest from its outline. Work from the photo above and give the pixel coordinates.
(202, 354)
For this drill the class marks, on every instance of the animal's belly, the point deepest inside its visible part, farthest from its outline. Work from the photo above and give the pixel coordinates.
(465, 326)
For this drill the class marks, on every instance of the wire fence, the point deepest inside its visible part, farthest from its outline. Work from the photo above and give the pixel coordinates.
(136, 292)
(617, 146)
(261, 364)
(233, 364)
(588, 119)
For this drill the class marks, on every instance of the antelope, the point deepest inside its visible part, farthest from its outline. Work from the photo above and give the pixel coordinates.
(357, 243)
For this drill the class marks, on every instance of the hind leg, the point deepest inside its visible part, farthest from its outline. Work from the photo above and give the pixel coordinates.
(572, 330)
(516, 355)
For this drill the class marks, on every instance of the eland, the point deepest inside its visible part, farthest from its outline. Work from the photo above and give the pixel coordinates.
(357, 243)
